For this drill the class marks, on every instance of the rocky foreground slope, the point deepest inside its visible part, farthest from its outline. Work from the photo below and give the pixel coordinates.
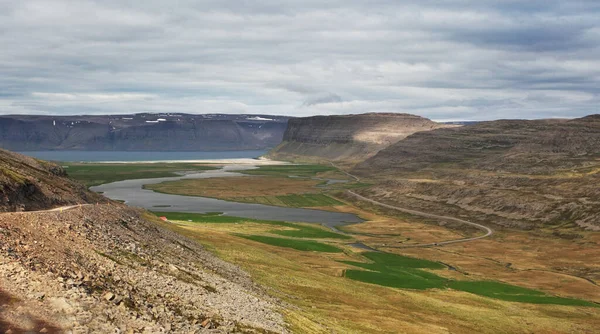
(519, 173)
(141, 132)
(347, 138)
(106, 268)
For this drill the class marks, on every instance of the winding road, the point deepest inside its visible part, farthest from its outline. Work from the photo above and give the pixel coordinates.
(488, 231)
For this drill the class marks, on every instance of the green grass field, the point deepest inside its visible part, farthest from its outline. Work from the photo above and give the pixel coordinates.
(514, 293)
(293, 201)
(355, 185)
(287, 170)
(295, 230)
(301, 245)
(404, 272)
(93, 174)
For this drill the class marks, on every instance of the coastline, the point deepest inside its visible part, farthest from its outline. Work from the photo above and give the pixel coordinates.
(239, 161)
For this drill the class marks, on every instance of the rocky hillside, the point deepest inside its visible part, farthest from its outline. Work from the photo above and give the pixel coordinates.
(30, 184)
(517, 173)
(141, 132)
(102, 267)
(113, 269)
(347, 138)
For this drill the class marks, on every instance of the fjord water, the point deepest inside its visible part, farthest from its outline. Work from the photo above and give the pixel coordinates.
(132, 192)
(91, 156)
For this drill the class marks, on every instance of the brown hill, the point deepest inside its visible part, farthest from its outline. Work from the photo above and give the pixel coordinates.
(30, 184)
(347, 138)
(511, 172)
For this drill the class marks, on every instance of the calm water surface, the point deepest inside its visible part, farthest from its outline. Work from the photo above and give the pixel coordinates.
(132, 193)
(89, 156)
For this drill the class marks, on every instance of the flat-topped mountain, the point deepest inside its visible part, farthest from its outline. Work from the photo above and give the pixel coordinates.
(512, 172)
(30, 184)
(347, 138)
(141, 132)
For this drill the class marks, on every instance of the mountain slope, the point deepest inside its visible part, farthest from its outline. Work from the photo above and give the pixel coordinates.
(30, 184)
(106, 268)
(141, 132)
(347, 138)
(514, 172)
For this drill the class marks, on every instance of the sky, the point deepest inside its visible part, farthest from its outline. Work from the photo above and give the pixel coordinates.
(445, 60)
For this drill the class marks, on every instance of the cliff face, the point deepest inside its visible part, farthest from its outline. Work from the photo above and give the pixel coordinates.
(518, 173)
(347, 138)
(141, 132)
(31, 184)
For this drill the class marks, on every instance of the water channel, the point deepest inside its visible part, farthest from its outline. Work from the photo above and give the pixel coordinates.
(133, 193)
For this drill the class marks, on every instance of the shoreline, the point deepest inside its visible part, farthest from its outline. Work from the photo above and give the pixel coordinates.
(238, 161)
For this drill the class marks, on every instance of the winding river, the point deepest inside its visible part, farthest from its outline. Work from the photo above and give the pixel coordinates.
(133, 193)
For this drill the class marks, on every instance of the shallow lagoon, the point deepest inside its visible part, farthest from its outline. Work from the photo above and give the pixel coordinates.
(132, 192)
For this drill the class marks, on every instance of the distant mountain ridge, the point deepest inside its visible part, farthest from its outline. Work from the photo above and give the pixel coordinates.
(347, 138)
(141, 132)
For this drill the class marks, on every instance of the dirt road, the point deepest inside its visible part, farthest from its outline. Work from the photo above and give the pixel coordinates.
(488, 231)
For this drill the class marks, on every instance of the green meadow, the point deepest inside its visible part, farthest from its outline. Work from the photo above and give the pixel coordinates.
(404, 272)
(287, 170)
(93, 174)
(301, 245)
(293, 201)
(294, 231)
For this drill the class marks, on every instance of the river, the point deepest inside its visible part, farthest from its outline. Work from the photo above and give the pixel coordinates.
(132, 192)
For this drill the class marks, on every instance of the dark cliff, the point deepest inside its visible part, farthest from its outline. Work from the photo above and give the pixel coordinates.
(141, 132)
(347, 138)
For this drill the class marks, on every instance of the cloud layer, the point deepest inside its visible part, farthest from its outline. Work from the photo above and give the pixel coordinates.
(468, 60)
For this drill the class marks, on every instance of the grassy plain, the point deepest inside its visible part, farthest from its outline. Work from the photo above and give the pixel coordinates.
(386, 269)
(354, 292)
(405, 272)
(295, 230)
(325, 301)
(301, 245)
(269, 190)
(291, 170)
(93, 174)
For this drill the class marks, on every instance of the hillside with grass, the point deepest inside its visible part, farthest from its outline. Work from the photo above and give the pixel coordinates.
(525, 174)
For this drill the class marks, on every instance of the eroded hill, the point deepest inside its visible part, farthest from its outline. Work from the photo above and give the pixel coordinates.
(347, 138)
(519, 173)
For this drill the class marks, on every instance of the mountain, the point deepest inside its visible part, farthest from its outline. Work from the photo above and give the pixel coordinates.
(347, 138)
(103, 267)
(141, 132)
(518, 173)
(30, 184)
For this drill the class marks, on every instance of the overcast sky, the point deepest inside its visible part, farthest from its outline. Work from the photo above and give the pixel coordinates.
(446, 60)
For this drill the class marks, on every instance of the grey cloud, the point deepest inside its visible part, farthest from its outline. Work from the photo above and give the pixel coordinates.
(328, 98)
(445, 60)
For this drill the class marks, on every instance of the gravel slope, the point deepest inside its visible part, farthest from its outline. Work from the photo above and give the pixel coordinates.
(108, 268)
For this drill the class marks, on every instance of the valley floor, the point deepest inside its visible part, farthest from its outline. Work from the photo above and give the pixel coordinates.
(287, 277)
(291, 264)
